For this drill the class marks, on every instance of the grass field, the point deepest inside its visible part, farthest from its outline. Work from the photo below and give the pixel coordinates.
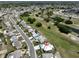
(65, 47)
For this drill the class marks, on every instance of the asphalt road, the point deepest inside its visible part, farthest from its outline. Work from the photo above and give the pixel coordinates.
(25, 37)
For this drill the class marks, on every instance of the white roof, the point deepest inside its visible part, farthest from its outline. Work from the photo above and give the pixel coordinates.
(18, 36)
(30, 38)
(48, 47)
(35, 34)
(23, 40)
(9, 33)
(13, 44)
(30, 30)
(43, 46)
(28, 26)
(13, 38)
(42, 38)
(37, 47)
(7, 23)
(5, 32)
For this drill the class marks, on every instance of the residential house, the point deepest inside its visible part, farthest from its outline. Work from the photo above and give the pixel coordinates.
(46, 47)
(15, 42)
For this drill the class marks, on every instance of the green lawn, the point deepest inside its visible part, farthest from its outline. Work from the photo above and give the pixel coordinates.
(65, 47)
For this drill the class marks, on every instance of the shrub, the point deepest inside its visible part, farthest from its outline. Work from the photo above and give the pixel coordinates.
(36, 15)
(68, 22)
(46, 19)
(58, 19)
(31, 20)
(49, 13)
(38, 24)
(39, 13)
(1, 35)
(49, 27)
(63, 29)
(56, 23)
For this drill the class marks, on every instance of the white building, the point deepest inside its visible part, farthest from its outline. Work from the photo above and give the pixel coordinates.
(14, 39)
(45, 47)
(8, 24)
(17, 44)
(9, 33)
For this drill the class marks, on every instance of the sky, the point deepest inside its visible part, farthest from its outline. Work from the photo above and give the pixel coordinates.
(39, 0)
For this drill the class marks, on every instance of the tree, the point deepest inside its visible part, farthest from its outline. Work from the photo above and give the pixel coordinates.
(63, 29)
(25, 14)
(1, 35)
(46, 19)
(56, 23)
(68, 22)
(31, 20)
(39, 13)
(49, 27)
(49, 13)
(36, 15)
(0, 27)
(38, 24)
(70, 18)
(58, 19)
